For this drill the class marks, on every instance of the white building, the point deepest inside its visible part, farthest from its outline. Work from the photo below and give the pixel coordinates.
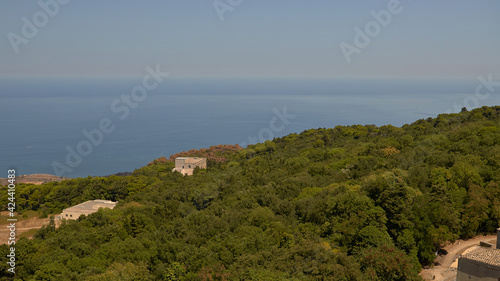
(86, 208)
(186, 165)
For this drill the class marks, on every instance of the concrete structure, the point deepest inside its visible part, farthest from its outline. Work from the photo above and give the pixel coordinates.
(186, 165)
(482, 264)
(498, 238)
(86, 208)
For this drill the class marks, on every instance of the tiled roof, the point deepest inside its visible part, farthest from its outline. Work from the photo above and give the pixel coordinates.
(484, 256)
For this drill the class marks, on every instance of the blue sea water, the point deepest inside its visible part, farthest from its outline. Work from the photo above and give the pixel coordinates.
(42, 118)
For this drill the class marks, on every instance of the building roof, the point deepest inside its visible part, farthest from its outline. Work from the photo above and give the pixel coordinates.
(191, 160)
(484, 256)
(92, 205)
(194, 160)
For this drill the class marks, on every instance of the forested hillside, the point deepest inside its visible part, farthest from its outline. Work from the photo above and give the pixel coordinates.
(347, 203)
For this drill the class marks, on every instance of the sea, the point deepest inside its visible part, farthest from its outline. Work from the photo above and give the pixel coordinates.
(96, 127)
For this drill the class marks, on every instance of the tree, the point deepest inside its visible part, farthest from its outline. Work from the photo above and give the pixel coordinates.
(386, 263)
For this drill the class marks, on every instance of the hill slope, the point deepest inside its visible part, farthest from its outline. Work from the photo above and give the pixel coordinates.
(347, 203)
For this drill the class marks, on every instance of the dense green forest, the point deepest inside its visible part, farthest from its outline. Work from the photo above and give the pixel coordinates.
(346, 203)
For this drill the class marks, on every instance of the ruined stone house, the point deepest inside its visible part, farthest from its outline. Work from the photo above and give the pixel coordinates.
(186, 165)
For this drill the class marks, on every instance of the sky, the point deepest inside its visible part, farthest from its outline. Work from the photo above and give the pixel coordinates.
(448, 39)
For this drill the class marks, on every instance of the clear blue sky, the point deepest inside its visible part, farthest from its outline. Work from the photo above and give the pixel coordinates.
(259, 38)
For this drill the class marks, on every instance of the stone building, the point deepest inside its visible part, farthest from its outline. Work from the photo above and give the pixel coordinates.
(186, 165)
(482, 264)
(86, 208)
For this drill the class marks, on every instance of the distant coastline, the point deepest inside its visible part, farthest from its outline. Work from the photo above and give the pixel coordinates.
(36, 179)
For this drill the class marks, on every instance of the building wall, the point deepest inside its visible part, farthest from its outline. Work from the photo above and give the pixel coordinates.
(86, 208)
(179, 163)
(470, 271)
(498, 238)
(199, 162)
(73, 215)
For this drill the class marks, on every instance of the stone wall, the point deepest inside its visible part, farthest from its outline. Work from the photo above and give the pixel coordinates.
(475, 271)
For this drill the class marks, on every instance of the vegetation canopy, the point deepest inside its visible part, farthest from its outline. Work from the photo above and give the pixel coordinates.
(347, 203)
